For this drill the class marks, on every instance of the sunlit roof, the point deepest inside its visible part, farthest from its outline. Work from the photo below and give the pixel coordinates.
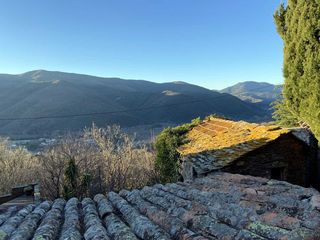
(228, 139)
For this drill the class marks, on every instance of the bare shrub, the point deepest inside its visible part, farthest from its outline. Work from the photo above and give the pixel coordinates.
(124, 164)
(54, 161)
(17, 167)
(111, 158)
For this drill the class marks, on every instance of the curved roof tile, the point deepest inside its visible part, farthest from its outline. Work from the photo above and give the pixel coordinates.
(219, 206)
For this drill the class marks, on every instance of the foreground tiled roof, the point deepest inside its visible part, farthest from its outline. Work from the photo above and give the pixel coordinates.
(220, 206)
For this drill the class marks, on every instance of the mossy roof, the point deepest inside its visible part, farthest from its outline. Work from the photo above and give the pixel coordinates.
(228, 139)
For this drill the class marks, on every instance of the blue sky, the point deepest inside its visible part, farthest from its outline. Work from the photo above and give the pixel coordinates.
(210, 43)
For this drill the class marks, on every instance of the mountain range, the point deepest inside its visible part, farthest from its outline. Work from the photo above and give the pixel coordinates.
(40, 103)
(255, 92)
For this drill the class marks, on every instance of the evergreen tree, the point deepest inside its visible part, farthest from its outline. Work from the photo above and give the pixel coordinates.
(282, 115)
(298, 24)
(71, 179)
(74, 184)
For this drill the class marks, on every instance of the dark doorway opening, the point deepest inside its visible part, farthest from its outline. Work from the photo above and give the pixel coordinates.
(277, 173)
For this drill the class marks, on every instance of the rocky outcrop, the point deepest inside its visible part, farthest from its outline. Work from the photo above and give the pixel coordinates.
(219, 206)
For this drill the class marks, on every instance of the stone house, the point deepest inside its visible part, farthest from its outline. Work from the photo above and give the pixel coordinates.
(252, 149)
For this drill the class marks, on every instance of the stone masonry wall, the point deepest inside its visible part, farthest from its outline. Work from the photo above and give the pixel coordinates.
(297, 160)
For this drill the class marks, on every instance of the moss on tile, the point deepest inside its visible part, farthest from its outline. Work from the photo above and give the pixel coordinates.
(225, 138)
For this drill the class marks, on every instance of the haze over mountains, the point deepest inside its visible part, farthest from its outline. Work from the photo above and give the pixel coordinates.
(45, 94)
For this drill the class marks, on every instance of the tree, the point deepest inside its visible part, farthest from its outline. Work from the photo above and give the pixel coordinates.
(56, 159)
(71, 178)
(298, 24)
(282, 115)
(75, 185)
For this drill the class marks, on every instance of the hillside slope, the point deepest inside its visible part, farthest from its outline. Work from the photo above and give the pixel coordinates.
(255, 92)
(44, 93)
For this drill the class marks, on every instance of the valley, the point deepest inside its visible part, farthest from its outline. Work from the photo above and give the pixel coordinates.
(45, 104)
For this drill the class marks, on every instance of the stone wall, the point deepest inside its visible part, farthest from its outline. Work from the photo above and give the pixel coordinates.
(296, 160)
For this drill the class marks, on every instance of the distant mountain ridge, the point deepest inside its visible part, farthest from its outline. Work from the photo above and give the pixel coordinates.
(261, 94)
(255, 92)
(132, 102)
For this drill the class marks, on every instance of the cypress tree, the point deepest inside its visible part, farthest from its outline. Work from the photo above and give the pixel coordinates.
(74, 184)
(298, 23)
(71, 178)
(282, 115)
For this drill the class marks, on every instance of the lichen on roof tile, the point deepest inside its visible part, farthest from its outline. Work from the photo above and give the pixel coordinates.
(219, 206)
(224, 138)
(240, 134)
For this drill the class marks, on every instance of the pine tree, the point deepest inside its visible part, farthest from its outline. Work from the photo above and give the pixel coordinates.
(298, 24)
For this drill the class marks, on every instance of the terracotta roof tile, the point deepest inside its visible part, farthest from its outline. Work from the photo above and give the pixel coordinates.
(219, 206)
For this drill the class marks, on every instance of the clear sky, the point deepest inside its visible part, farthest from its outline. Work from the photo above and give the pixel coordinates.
(211, 43)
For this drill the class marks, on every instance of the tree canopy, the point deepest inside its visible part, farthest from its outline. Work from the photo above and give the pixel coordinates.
(298, 23)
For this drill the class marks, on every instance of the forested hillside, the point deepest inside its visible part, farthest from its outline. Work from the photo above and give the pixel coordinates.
(67, 101)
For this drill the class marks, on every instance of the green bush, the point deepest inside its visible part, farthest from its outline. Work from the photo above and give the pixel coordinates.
(168, 158)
